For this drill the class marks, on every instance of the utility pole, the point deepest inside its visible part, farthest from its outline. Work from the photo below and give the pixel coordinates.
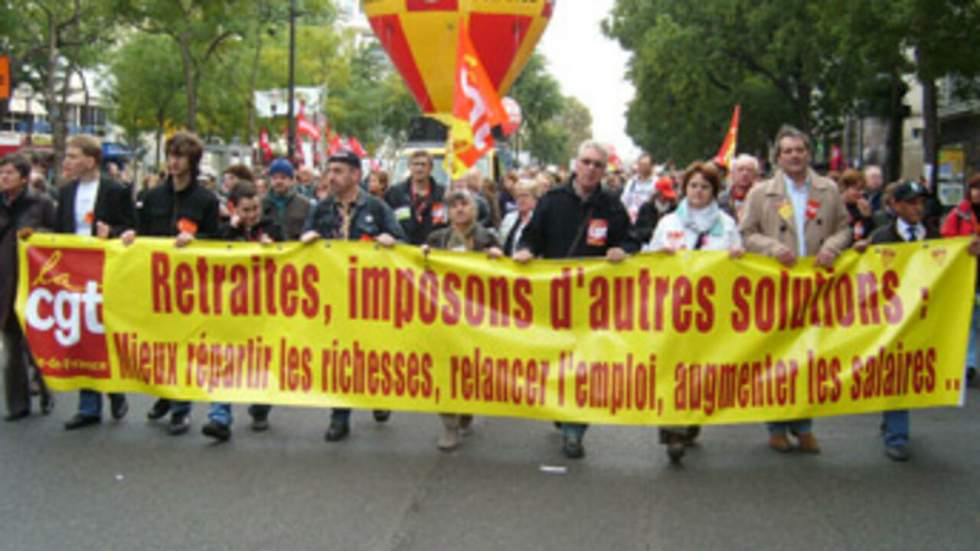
(291, 137)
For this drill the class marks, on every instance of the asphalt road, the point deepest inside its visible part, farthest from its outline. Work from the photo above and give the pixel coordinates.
(129, 485)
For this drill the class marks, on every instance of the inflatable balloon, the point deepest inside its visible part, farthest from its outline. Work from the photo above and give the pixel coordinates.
(420, 38)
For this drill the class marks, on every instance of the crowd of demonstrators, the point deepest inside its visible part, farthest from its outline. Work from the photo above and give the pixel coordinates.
(796, 213)
(860, 214)
(463, 234)
(21, 210)
(536, 213)
(419, 201)
(698, 223)
(963, 221)
(283, 204)
(578, 219)
(351, 214)
(94, 205)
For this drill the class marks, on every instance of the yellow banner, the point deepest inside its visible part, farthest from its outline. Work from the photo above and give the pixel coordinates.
(686, 339)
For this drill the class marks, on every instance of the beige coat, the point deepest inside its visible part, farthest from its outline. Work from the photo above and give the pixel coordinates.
(767, 221)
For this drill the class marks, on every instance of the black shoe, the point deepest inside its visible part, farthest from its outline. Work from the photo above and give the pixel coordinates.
(47, 403)
(691, 435)
(898, 452)
(572, 447)
(675, 448)
(179, 424)
(260, 423)
(118, 406)
(337, 431)
(17, 416)
(160, 408)
(381, 415)
(217, 431)
(81, 420)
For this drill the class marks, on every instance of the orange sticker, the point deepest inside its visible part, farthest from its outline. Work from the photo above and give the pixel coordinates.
(89, 218)
(439, 213)
(596, 236)
(185, 225)
(812, 207)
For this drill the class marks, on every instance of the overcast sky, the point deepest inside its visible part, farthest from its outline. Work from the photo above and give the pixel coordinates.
(591, 67)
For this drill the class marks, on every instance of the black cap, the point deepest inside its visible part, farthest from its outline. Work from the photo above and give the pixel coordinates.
(906, 191)
(347, 157)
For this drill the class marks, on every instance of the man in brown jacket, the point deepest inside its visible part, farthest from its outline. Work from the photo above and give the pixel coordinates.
(795, 214)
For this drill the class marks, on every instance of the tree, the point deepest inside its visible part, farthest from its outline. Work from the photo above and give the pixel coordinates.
(693, 61)
(52, 41)
(198, 28)
(576, 121)
(541, 101)
(146, 80)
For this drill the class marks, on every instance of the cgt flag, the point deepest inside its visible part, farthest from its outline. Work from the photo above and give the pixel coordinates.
(476, 109)
(727, 152)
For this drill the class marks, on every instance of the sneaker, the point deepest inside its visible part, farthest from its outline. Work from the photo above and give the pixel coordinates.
(160, 408)
(572, 447)
(216, 430)
(337, 431)
(179, 424)
(691, 435)
(780, 443)
(381, 415)
(449, 440)
(898, 452)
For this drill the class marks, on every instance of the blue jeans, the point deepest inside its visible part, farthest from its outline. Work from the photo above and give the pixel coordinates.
(800, 426)
(90, 402)
(221, 414)
(896, 424)
(340, 415)
(971, 351)
(574, 430)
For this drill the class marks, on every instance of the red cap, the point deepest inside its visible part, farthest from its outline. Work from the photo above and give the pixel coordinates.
(665, 187)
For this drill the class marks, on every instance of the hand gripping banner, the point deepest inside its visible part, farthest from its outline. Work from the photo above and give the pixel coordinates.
(685, 339)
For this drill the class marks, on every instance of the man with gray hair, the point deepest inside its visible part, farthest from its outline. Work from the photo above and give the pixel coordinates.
(578, 219)
(874, 185)
(745, 174)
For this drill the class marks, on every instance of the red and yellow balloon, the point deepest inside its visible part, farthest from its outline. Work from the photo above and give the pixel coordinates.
(420, 38)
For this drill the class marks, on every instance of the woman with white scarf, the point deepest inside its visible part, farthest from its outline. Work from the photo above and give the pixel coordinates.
(697, 224)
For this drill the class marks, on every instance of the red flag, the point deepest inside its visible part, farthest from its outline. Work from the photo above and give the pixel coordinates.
(476, 108)
(726, 154)
(264, 144)
(335, 145)
(356, 147)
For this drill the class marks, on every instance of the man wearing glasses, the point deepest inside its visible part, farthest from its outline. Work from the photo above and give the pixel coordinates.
(418, 201)
(578, 219)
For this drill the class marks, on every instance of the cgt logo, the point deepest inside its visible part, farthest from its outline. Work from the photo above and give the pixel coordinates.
(63, 311)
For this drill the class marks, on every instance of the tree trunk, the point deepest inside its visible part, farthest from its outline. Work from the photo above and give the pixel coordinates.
(253, 78)
(896, 124)
(190, 78)
(930, 117)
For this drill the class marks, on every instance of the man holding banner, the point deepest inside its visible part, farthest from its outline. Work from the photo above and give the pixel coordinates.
(352, 214)
(795, 214)
(179, 207)
(92, 205)
(578, 219)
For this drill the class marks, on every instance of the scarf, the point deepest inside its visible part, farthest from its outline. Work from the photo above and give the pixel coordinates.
(702, 221)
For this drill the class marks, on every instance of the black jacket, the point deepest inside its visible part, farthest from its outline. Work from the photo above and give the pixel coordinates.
(113, 206)
(647, 220)
(265, 227)
(29, 210)
(563, 225)
(889, 234)
(162, 209)
(418, 221)
(370, 218)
